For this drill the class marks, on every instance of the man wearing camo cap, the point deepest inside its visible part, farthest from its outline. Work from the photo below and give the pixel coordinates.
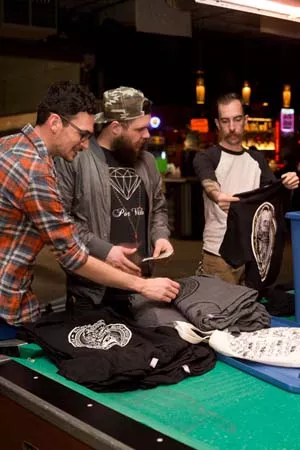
(121, 104)
(114, 193)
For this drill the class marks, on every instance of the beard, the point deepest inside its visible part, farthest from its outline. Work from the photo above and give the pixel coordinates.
(125, 153)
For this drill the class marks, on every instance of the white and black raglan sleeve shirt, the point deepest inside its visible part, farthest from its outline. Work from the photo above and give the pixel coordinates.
(235, 172)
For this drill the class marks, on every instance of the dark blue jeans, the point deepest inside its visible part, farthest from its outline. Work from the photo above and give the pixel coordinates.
(7, 331)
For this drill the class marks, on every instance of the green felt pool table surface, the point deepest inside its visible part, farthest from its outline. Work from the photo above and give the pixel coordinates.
(223, 409)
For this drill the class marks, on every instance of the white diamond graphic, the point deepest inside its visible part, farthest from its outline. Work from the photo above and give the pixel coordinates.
(124, 181)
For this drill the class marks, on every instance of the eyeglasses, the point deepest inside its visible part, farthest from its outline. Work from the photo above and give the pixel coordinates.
(85, 135)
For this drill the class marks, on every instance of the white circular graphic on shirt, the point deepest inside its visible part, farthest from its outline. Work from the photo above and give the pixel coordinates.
(100, 336)
(125, 181)
(263, 235)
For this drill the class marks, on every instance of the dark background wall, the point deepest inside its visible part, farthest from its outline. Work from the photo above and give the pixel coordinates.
(266, 62)
(164, 67)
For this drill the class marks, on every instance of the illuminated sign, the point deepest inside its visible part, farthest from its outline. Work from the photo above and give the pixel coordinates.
(154, 122)
(287, 124)
(157, 140)
(277, 141)
(200, 125)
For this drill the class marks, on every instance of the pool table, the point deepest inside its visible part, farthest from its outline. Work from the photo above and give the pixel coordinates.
(222, 409)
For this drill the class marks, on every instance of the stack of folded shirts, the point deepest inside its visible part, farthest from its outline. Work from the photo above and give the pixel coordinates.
(210, 304)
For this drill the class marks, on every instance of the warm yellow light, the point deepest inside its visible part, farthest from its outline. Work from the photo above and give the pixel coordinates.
(246, 93)
(278, 9)
(200, 89)
(265, 104)
(286, 96)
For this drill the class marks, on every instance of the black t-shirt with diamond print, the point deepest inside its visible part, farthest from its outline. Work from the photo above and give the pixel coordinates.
(129, 206)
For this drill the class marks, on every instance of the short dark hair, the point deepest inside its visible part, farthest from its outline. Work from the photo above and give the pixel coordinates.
(66, 98)
(99, 127)
(227, 98)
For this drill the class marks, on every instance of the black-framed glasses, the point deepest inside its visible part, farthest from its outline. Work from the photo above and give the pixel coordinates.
(85, 135)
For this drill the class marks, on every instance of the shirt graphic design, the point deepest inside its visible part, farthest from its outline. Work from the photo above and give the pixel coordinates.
(126, 184)
(276, 346)
(255, 234)
(103, 351)
(264, 227)
(188, 287)
(100, 336)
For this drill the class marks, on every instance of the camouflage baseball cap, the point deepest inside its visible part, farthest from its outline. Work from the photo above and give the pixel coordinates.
(122, 103)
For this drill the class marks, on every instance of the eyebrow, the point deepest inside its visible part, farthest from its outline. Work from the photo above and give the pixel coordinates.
(235, 117)
(140, 128)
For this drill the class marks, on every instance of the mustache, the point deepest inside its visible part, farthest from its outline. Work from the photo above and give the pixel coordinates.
(234, 134)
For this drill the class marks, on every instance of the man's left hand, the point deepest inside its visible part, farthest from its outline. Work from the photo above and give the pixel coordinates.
(161, 246)
(290, 180)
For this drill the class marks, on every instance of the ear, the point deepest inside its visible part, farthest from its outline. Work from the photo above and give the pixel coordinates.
(217, 124)
(55, 123)
(116, 128)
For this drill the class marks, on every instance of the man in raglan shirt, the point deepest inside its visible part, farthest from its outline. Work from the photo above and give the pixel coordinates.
(224, 170)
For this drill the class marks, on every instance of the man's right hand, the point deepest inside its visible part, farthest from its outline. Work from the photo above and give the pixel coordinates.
(223, 200)
(117, 257)
(161, 289)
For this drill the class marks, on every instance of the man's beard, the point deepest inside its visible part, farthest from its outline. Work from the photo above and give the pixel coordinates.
(125, 153)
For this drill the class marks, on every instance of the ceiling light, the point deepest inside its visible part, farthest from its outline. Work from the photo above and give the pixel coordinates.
(271, 8)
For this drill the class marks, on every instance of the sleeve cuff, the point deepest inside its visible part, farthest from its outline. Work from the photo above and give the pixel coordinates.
(99, 248)
(160, 235)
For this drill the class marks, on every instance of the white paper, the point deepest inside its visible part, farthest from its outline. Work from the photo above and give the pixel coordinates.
(161, 256)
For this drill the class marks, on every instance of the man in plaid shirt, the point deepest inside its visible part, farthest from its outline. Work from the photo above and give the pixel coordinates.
(31, 211)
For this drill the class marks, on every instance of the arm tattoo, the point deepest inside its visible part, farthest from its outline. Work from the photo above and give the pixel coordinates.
(211, 188)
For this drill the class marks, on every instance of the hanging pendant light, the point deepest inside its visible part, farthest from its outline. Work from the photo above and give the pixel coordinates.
(200, 88)
(246, 93)
(286, 95)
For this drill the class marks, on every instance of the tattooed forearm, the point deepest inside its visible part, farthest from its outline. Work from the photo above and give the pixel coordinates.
(212, 188)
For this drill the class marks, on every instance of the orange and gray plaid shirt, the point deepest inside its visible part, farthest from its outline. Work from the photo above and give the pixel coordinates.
(31, 215)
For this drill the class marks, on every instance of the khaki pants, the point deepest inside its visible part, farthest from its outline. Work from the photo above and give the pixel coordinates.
(215, 265)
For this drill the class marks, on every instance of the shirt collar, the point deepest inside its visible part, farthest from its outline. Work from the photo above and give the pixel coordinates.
(231, 152)
(40, 146)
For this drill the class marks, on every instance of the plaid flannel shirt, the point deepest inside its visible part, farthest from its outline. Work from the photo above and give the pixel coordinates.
(31, 215)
